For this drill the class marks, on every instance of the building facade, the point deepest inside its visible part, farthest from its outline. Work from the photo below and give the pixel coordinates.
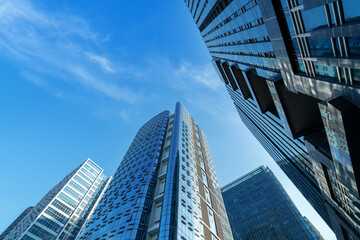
(292, 69)
(61, 213)
(259, 208)
(164, 188)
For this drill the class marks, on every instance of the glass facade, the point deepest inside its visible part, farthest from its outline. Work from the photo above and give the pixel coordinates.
(280, 62)
(165, 187)
(259, 208)
(63, 211)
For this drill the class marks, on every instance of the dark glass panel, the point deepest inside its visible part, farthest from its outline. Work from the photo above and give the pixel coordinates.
(356, 75)
(296, 46)
(320, 47)
(354, 46)
(299, 65)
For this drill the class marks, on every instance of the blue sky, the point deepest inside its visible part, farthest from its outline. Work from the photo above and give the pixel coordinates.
(80, 77)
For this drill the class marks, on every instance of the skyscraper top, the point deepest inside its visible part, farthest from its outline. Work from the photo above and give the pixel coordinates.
(164, 188)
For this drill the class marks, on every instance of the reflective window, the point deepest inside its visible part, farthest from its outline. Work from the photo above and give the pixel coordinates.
(284, 5)
(67, 199)
(356, 75)
(207, 196)
(72, 193)
(351, 10)
(314, 18)
(354, 45)
(328, 71)
(56, 215)
(41, 233)
(204, 178)
(289, 23)
(212, 220)
(59, 205)
(81, 181)
(320, 47)
(26, 237)
(49, 224)
(296, 46)
(97, 169)
(299, 65)
(77, 187)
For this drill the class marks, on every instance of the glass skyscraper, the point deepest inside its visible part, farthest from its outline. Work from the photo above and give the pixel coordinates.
(259, 208)
(61, 213)
(164, 188)
(292, 69)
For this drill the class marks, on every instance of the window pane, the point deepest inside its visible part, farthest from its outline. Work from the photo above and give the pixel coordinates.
(325, 70)
(314, 18)
(351, 10)
(320, 47)
(354, 46)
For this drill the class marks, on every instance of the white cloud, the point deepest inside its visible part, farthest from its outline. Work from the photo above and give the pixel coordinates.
(55, 49)
(53, 45)
(102, 61)
(183, 75)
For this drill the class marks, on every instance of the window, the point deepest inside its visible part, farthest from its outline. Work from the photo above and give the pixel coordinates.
(351, 10)
(314, 18)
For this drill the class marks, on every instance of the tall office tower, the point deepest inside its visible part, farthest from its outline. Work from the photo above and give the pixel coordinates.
(313, 229)
(61, 213)
(164, 188)
(292, 68)
(259, 208)
(15, 223)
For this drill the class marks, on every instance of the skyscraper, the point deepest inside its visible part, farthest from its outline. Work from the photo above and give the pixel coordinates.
(61, 213)
(259, 208)
(292, 69)
(164, 188)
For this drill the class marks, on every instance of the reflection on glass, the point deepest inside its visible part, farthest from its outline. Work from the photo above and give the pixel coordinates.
(314, 18)
(289, 23)
(356, 75)
(351, 10)
(320, 47)
(328, 71)
(284, 5)
(296, 46)
(354, 45)
(299, 65)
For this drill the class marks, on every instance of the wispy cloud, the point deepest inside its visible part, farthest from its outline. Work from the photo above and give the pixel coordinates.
(182, 75)
(54, 50)
(52, 44)
(102, 61)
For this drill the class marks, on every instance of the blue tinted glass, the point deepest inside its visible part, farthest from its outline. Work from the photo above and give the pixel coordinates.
(314, 18)
(320, 47)
(354, 45)
(351, 10)
(296, 46)
(299, 65)
(327, 71)
(284, 5)
(289, 23)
